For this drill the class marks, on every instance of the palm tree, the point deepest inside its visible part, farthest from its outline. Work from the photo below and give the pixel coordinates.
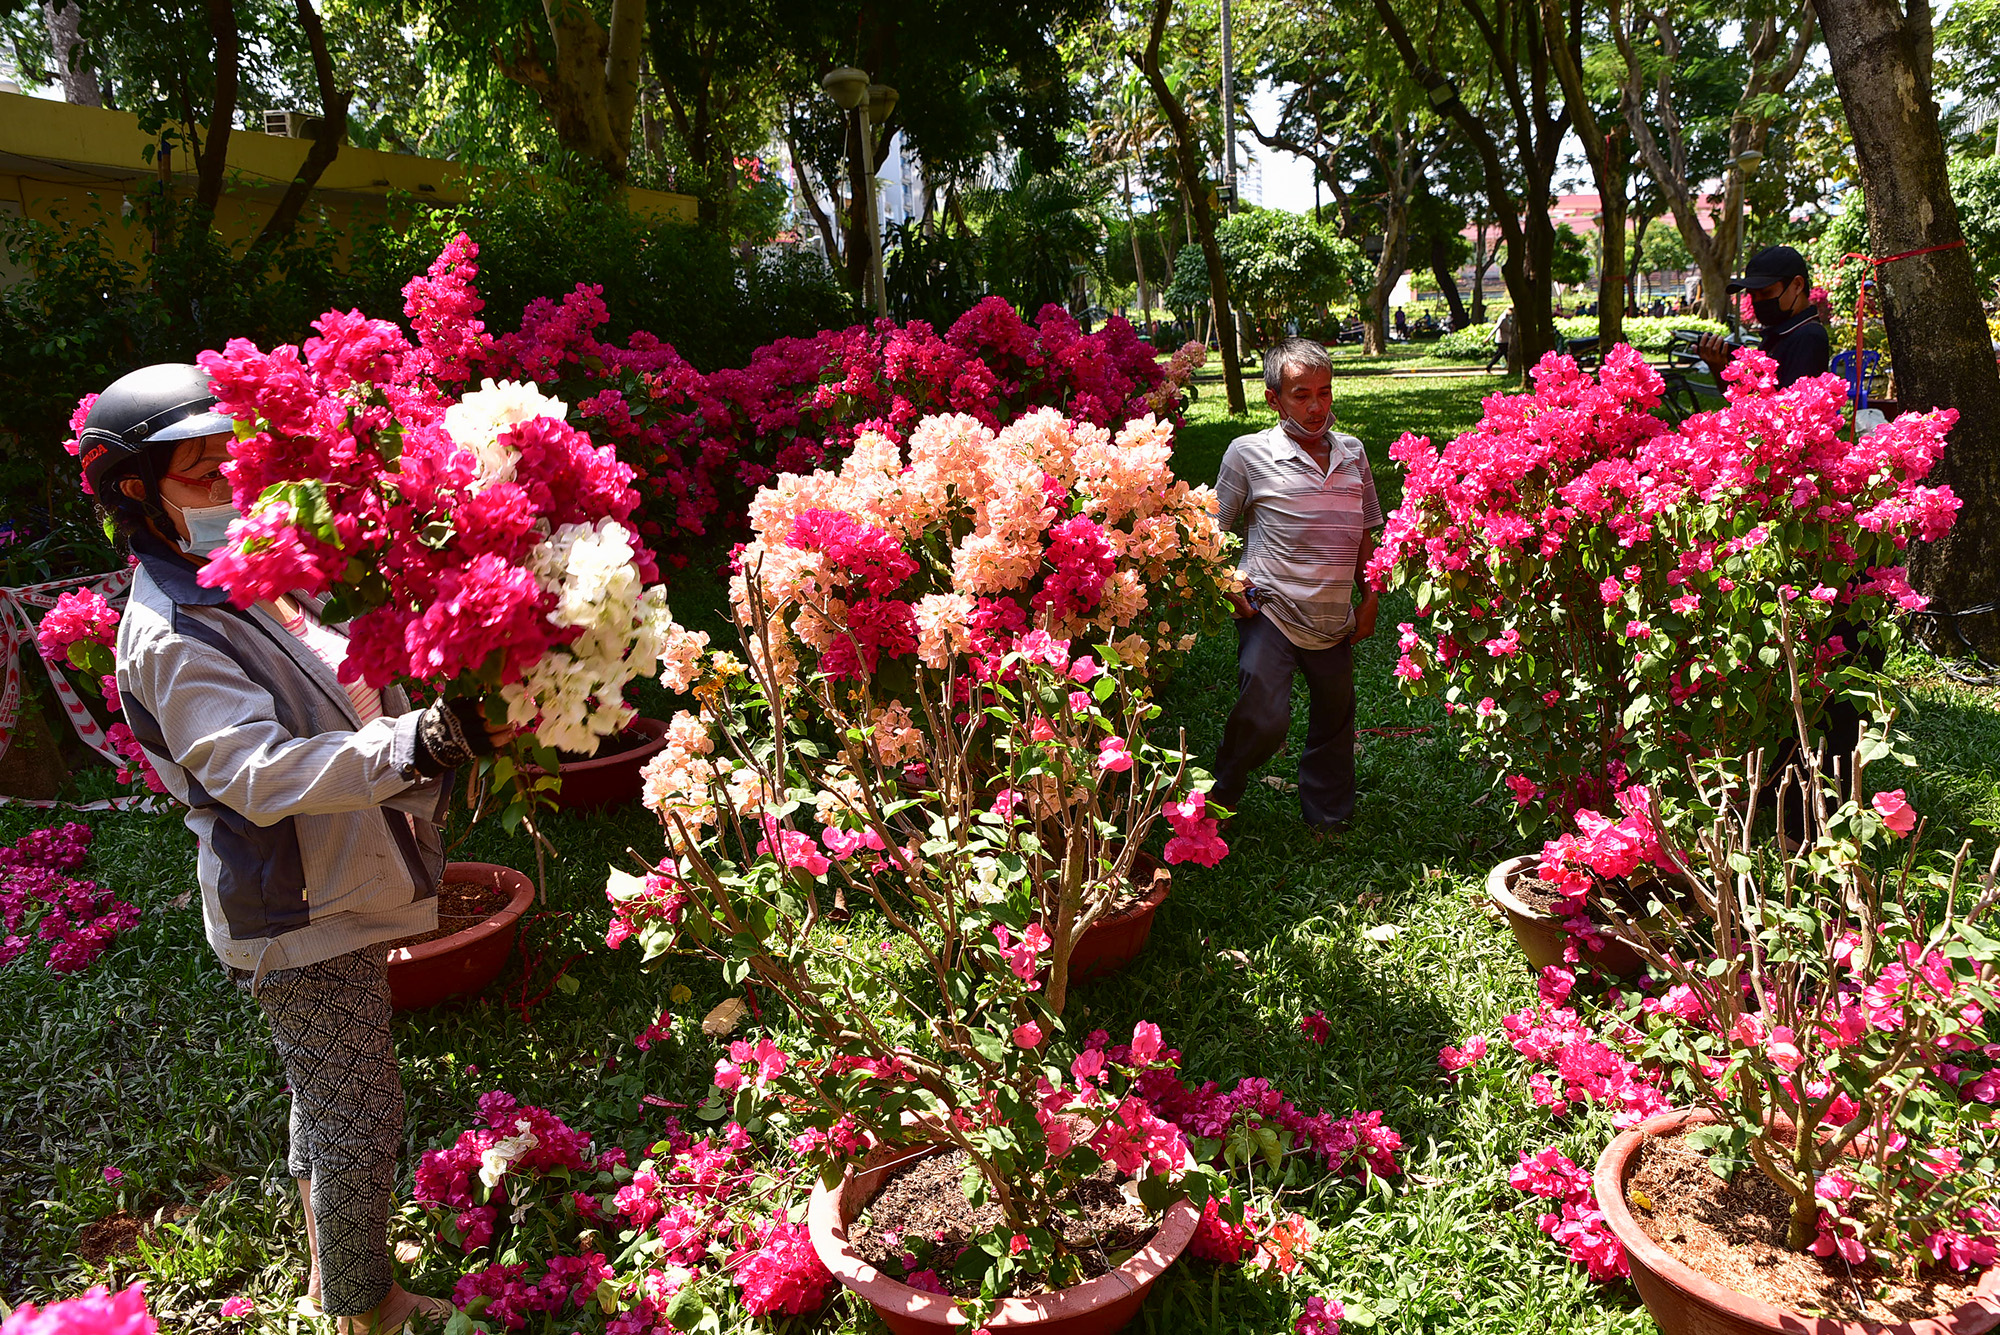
(1041, 229)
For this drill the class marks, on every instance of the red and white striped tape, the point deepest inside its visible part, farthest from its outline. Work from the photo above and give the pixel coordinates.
(17, 632)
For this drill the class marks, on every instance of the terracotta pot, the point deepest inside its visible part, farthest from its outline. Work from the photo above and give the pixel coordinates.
(1094, 1307)
(608, 780)
(1683, 1301)
(1541, 935)
(1111, 943)
(466, 961)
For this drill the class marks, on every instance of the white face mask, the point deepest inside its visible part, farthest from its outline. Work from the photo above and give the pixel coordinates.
(208, 527)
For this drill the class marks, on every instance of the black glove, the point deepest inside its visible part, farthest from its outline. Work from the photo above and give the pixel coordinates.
(450, 733)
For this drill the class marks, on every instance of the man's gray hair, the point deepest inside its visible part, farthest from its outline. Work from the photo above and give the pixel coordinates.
(1293, 354)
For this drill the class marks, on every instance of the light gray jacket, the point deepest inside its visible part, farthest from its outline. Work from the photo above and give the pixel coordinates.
(317, 836)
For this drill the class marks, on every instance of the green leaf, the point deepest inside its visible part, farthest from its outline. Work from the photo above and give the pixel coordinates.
(686, 1308)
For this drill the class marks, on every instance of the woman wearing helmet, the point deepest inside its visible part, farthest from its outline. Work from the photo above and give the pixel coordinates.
(313, 803)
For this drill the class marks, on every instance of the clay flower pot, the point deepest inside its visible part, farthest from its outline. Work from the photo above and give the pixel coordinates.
(608, 780)
(1111, 943)
(1683, 1301)
(466, 961)
(1540, 935)
(1094, 1307)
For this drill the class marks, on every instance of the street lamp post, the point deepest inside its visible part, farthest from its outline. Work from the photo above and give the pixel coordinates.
(852, 91)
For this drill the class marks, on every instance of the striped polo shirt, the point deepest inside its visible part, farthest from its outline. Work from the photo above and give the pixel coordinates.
(1303, 529)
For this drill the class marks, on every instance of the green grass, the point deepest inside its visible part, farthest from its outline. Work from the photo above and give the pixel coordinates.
(154, 1063)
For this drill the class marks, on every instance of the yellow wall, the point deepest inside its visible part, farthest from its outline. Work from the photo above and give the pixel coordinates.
(67, 161)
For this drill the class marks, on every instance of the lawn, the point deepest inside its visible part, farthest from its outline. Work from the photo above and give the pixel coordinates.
(153, 1064)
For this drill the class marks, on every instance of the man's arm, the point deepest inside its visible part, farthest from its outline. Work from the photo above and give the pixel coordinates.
(1364, 614)
(1371, 524)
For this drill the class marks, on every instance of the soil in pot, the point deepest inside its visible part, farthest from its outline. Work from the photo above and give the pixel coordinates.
(924, 1203)
(461, 904)
(1544, 898)
(1733, 1232)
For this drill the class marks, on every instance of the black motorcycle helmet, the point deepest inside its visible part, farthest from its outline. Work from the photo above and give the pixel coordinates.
(153, 406)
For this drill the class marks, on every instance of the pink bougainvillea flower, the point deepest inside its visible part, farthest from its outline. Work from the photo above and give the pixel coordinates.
(236, 1308)
(1322, 1316)
(1113, 756)
(97, 1312)
(1895, 811)
(1028, 1035)
(1145, 1043)
(1023, 956)
(1454, 1060)
(1316, 1027)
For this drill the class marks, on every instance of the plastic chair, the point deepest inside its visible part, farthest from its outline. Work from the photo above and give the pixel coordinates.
(1857, 384)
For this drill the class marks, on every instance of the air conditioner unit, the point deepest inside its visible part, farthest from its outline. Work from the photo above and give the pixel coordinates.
(291, 124)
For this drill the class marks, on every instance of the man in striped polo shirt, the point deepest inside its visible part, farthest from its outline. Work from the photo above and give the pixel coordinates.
(1305, 497)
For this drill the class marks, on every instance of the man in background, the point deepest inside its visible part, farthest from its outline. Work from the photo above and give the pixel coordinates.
(1780, 288)
(1305, 499)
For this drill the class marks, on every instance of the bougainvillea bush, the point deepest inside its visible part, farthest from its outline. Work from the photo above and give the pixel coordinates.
(701, 444)
(40, 901)
(977, 848)
(969, 538)
(1839, 988)
(1599, 596)
(81, 632)
(551, 1231)
(626, 1241)
(479, 545)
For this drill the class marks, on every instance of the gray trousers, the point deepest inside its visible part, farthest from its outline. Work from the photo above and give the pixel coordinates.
(1265, 664)
(331, 1023)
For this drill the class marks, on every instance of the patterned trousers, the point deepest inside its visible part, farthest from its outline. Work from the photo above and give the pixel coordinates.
(331, 1023)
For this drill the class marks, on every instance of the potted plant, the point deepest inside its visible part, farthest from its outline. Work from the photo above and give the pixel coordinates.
(479, 914)
(975, 849)
(611, 776)
(1598, 596)
(1820, 1014)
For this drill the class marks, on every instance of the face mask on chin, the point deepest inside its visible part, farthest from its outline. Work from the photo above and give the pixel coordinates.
(208, 528)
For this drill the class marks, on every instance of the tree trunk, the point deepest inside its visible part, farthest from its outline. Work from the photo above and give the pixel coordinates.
(1637, 261)
(591, 87)
(1482, 260)
(1138, 255)
(1447, 281)
(1529, 285)
(326, 144)
(1775, 57)
(79, 80)
(212, 156)
(1186, 155)
(1521, 206)
(1938, 338)
(1565, 48)
(1611, 274)
(811, 198)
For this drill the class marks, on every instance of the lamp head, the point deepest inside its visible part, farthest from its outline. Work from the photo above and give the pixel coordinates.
(881, 101)
(847, 86)
(1748, 161)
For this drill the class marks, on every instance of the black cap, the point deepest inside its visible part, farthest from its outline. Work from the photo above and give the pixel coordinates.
(1772, 264)
(154, 405)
